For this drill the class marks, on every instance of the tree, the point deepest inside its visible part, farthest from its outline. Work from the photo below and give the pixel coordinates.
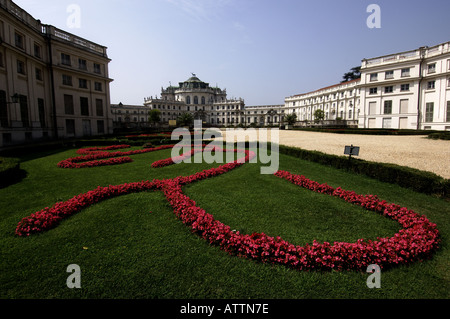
(319, 115)
(291, 118)
(185, 119)
(200, 115)
(154, 116)
(355, 73)
(272, 113)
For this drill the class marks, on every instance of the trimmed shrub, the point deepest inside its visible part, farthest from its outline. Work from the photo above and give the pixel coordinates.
(9, 170)
(417, 180)
(440, 136)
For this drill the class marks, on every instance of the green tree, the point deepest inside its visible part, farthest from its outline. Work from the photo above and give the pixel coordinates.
(355, 73)
(319, 115)
(291, 118)
(185, 119)
(154, 116)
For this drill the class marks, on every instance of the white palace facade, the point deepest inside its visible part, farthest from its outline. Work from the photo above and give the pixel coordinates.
(206, 103)
(407, 90)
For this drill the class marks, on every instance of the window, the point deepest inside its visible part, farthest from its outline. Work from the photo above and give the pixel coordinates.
(28, 136)
(65, 59)
(67, 80)
(372, 108)
(70, 127)
(373, 91)
(405, 72)
(82, 64)
(2, 65)
(7, 138)
(97, 68)
(389, 75)
(404, 87)
(38, 74)
(374, 77)
(431, 85)
(82, 83)
(429, 110)
(37, 51)
(101, 127)
(448, 112)
(188, 100)
(388, 89)
(21, 67)
(3, 109)
(387, 107)
(41, 110)
(68, 104)
(23, 101)
(195, 100)
(98, 86)
(404, 106)
(18, 40)
(203, 100)
(84, 106)
(99, 107)
(387, 122)
(432, 68)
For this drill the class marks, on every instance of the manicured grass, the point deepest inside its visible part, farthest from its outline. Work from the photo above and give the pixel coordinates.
(134, 246)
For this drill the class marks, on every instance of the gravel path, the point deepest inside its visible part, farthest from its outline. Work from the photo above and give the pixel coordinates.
(413, 151)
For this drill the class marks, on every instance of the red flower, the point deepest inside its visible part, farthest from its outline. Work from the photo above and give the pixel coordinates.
(416, 241)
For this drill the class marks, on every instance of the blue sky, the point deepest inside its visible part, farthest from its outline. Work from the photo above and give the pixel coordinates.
(260, 50)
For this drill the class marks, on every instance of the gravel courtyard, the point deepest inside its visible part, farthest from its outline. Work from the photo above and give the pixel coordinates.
(413, 151)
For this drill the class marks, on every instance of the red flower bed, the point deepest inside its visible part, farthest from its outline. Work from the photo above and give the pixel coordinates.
(416, 241)
(96, 156)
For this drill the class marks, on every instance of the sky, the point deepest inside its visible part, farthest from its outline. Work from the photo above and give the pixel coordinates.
(260, 50)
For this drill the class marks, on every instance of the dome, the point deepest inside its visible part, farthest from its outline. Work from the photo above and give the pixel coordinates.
(194, 83)
(193, 79)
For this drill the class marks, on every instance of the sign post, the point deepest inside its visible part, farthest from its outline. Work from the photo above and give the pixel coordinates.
(351, 150)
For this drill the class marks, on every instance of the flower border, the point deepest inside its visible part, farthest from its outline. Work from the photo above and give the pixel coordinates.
(417, 240)
(95, 156)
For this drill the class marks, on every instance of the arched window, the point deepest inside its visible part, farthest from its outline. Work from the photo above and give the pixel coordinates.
(188, 100)
(203, 100)
(195, 99)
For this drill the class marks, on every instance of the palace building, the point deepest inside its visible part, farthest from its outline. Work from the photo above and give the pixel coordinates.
(209, 104)
(53, 84)
(206, 103)
(406, 90)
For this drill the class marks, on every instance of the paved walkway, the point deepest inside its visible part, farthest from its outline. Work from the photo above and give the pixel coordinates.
(413, 151)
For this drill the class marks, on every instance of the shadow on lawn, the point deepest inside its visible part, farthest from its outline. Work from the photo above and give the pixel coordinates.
(14, 177)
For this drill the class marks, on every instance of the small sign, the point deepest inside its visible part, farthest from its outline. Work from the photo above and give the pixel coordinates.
(351, 150)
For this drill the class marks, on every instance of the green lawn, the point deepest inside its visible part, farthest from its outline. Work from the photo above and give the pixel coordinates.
(134, 247)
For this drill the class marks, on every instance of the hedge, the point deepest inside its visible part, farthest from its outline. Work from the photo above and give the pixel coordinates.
(361, 131)
(417, 180)
(440, 136)
(9, 170)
